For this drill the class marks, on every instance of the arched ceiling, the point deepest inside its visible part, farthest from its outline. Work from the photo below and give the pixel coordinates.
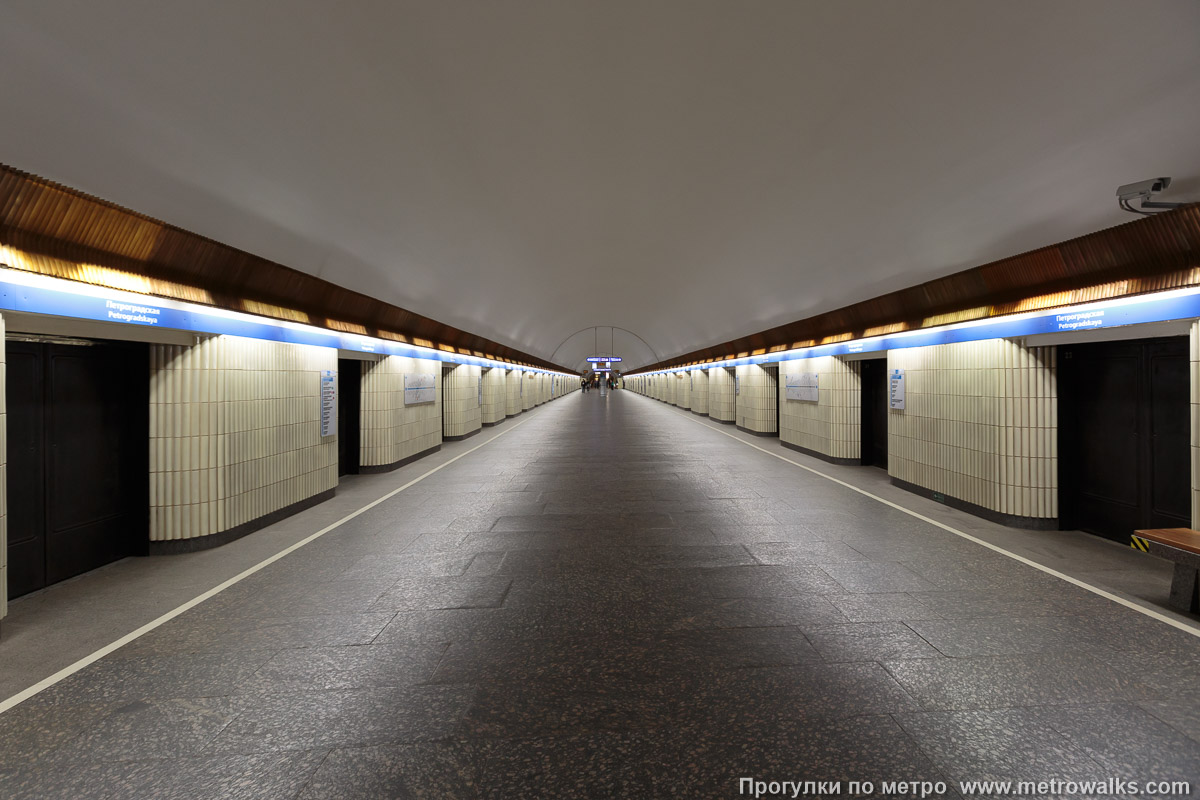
(603, 340)
(691, 171)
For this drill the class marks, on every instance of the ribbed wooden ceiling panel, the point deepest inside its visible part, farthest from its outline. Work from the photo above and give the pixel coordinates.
(44, 218)
(1152, 253)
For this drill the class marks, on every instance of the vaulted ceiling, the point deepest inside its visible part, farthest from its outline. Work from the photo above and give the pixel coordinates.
(686, 171)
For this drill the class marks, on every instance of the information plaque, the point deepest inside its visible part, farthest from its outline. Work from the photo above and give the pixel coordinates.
(328, 402)
(420, 388)
(896, 389)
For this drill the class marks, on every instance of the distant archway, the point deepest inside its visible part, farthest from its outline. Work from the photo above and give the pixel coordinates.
(604, 341)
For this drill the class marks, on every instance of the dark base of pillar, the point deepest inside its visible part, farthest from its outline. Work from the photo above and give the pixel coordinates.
(375, 470)
(843, 462)
(722, 421)
(493, 424)
(460, 438)
(176, 546)
(1011, 520)
(700, 413)
(756, 433)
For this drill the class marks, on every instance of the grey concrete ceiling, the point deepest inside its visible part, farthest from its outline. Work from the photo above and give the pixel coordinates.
(691, 171)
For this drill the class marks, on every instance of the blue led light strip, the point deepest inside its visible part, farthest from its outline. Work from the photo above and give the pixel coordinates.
(1179, 304)
(38, 294)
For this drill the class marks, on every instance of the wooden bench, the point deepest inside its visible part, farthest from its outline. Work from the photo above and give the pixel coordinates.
(1181, 545)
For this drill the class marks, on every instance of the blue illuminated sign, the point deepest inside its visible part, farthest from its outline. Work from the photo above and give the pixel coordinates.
(1110, 314)
(599, 359)
(127, 309)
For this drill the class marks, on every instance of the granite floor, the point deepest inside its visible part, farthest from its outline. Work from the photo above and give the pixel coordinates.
(615, 601)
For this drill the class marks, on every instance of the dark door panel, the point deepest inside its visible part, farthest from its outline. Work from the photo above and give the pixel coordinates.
(26, 486)
(874, 421)
(772, 371)
(1108, 485)
(83, 431)
(349, 415)
(1170, 438)
(1124, 460)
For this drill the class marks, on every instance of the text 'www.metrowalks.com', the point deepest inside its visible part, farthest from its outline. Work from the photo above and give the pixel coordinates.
(1111, 787)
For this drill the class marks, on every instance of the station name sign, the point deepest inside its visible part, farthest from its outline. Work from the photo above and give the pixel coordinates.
(39, 294)
(1180, 304)
(601, 359)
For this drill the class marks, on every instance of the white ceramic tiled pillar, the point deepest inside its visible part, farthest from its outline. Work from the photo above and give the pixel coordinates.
(980, 426)
(683, 390)
(461, 414)
(393, 432)
(512, 397)
(756, 398)
(699, 390)
(720, 394)
(495, 395)
(831, 427)
(234, 433)
(528, 390)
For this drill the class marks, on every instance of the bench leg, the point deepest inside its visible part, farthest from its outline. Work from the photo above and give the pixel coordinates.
(1184, 587)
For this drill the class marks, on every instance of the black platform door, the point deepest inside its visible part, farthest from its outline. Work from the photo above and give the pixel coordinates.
(873, 380)
(78, 478)
(25, 401)
(349, 415)
(1124, 436)
(1170, 491)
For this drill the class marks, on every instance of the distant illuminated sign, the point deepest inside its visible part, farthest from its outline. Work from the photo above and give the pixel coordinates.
(601, 359)
(602, 369)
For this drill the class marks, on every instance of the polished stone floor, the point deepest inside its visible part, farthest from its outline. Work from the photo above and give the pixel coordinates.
(613, 600)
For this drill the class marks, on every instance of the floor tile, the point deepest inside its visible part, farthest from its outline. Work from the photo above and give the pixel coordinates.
(614, 601)
(870, 641)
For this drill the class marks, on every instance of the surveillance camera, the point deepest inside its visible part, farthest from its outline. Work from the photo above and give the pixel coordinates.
(1142, 189)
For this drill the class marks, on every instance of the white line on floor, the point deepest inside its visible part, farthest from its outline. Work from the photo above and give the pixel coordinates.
(1149, 612)
(66, 672)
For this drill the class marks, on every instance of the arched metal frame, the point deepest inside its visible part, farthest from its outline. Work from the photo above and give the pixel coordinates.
(595, 348)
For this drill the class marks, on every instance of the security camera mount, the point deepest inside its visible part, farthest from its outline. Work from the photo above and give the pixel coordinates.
(1142, 191)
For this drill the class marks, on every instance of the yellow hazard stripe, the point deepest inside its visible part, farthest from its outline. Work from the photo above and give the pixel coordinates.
(1137, 543)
